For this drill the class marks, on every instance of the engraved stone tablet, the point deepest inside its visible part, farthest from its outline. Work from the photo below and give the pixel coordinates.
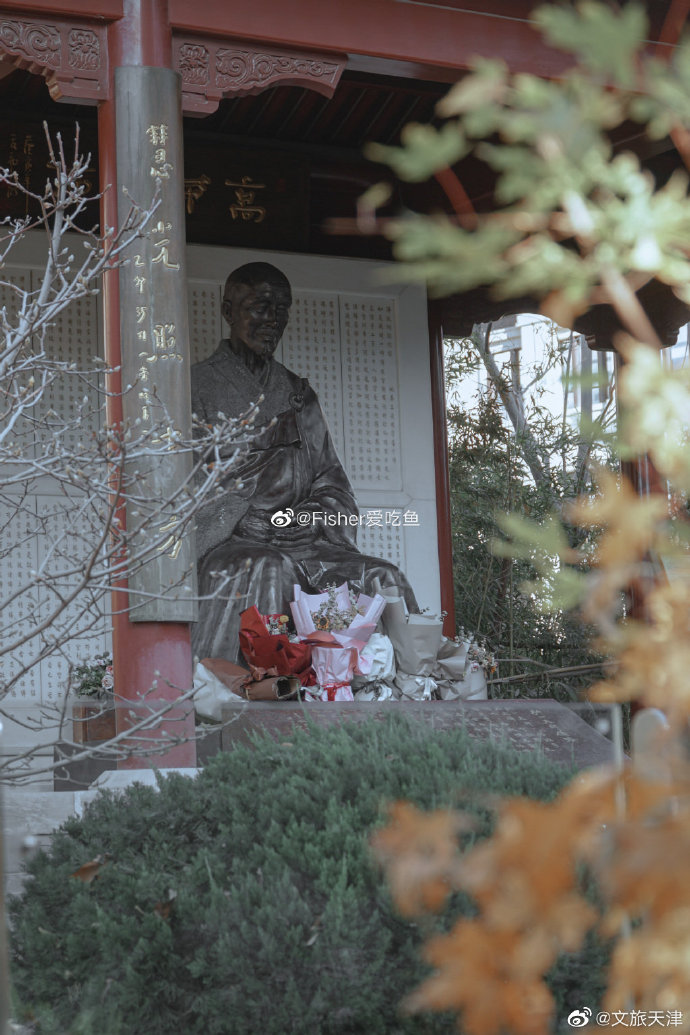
(155, 341)
(539, 726)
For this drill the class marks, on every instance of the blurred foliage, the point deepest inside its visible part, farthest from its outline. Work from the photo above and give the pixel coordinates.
(572, 214)
(492, 494)
(579, 225)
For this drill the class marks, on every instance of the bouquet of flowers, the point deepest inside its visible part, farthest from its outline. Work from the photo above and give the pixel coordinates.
(479, 665)
(94, 678)
(276, 624)
(429, 664)
(337, 612)
(338, 625)
(481, 657)
(219, 684)
(263, 648)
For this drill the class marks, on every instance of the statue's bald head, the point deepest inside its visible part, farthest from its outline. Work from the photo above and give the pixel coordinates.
(256, 306)
(253, 273)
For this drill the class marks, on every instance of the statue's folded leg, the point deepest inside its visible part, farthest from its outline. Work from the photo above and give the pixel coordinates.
(256, 574)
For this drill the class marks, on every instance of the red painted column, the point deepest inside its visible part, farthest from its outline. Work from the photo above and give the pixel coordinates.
(145, 654)
(440, 430)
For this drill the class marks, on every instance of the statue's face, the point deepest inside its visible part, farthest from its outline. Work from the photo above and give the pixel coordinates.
(257, 315)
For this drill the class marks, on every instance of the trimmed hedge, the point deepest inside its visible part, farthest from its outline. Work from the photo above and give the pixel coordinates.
(246, 901)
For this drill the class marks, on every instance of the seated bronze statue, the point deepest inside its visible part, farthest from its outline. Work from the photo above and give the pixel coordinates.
(289, 465)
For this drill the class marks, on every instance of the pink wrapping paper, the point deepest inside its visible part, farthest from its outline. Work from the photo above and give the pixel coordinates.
(336, 655)
(334, 666)
(305, 604)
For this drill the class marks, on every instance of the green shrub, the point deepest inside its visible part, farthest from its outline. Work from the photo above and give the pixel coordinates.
(246, 901)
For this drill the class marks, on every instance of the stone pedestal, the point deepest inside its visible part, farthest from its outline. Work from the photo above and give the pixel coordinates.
(93, 721)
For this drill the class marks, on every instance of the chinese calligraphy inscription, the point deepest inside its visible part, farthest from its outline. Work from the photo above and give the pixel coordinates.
(245, 193)
(155, 338)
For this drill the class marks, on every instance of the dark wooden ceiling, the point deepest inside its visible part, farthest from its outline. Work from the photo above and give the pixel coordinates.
(363, 108)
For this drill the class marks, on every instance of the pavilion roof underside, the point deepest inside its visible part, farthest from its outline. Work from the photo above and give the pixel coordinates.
(331, 133)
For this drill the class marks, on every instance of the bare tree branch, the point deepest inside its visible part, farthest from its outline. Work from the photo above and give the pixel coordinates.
(513, 403)
(67, 475)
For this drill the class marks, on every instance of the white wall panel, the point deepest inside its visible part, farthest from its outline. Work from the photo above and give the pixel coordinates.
(75, 398)
(19, 597)
(370, 391)
(45, 531)
(311, 347)
(205, 319)
(13, 281)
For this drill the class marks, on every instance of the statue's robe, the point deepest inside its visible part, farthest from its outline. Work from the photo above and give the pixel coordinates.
(286, 464)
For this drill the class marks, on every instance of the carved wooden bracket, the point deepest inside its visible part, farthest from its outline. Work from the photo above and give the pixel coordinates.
(71, 56)
(212, 69)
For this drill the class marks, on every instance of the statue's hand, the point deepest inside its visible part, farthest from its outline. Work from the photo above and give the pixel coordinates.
(256, 524)
(299, 532)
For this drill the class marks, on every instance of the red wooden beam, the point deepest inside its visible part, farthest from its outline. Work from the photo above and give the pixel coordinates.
(437, 37)
(99, 10)
(440, 431)
(674, 22)
(414, 40)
